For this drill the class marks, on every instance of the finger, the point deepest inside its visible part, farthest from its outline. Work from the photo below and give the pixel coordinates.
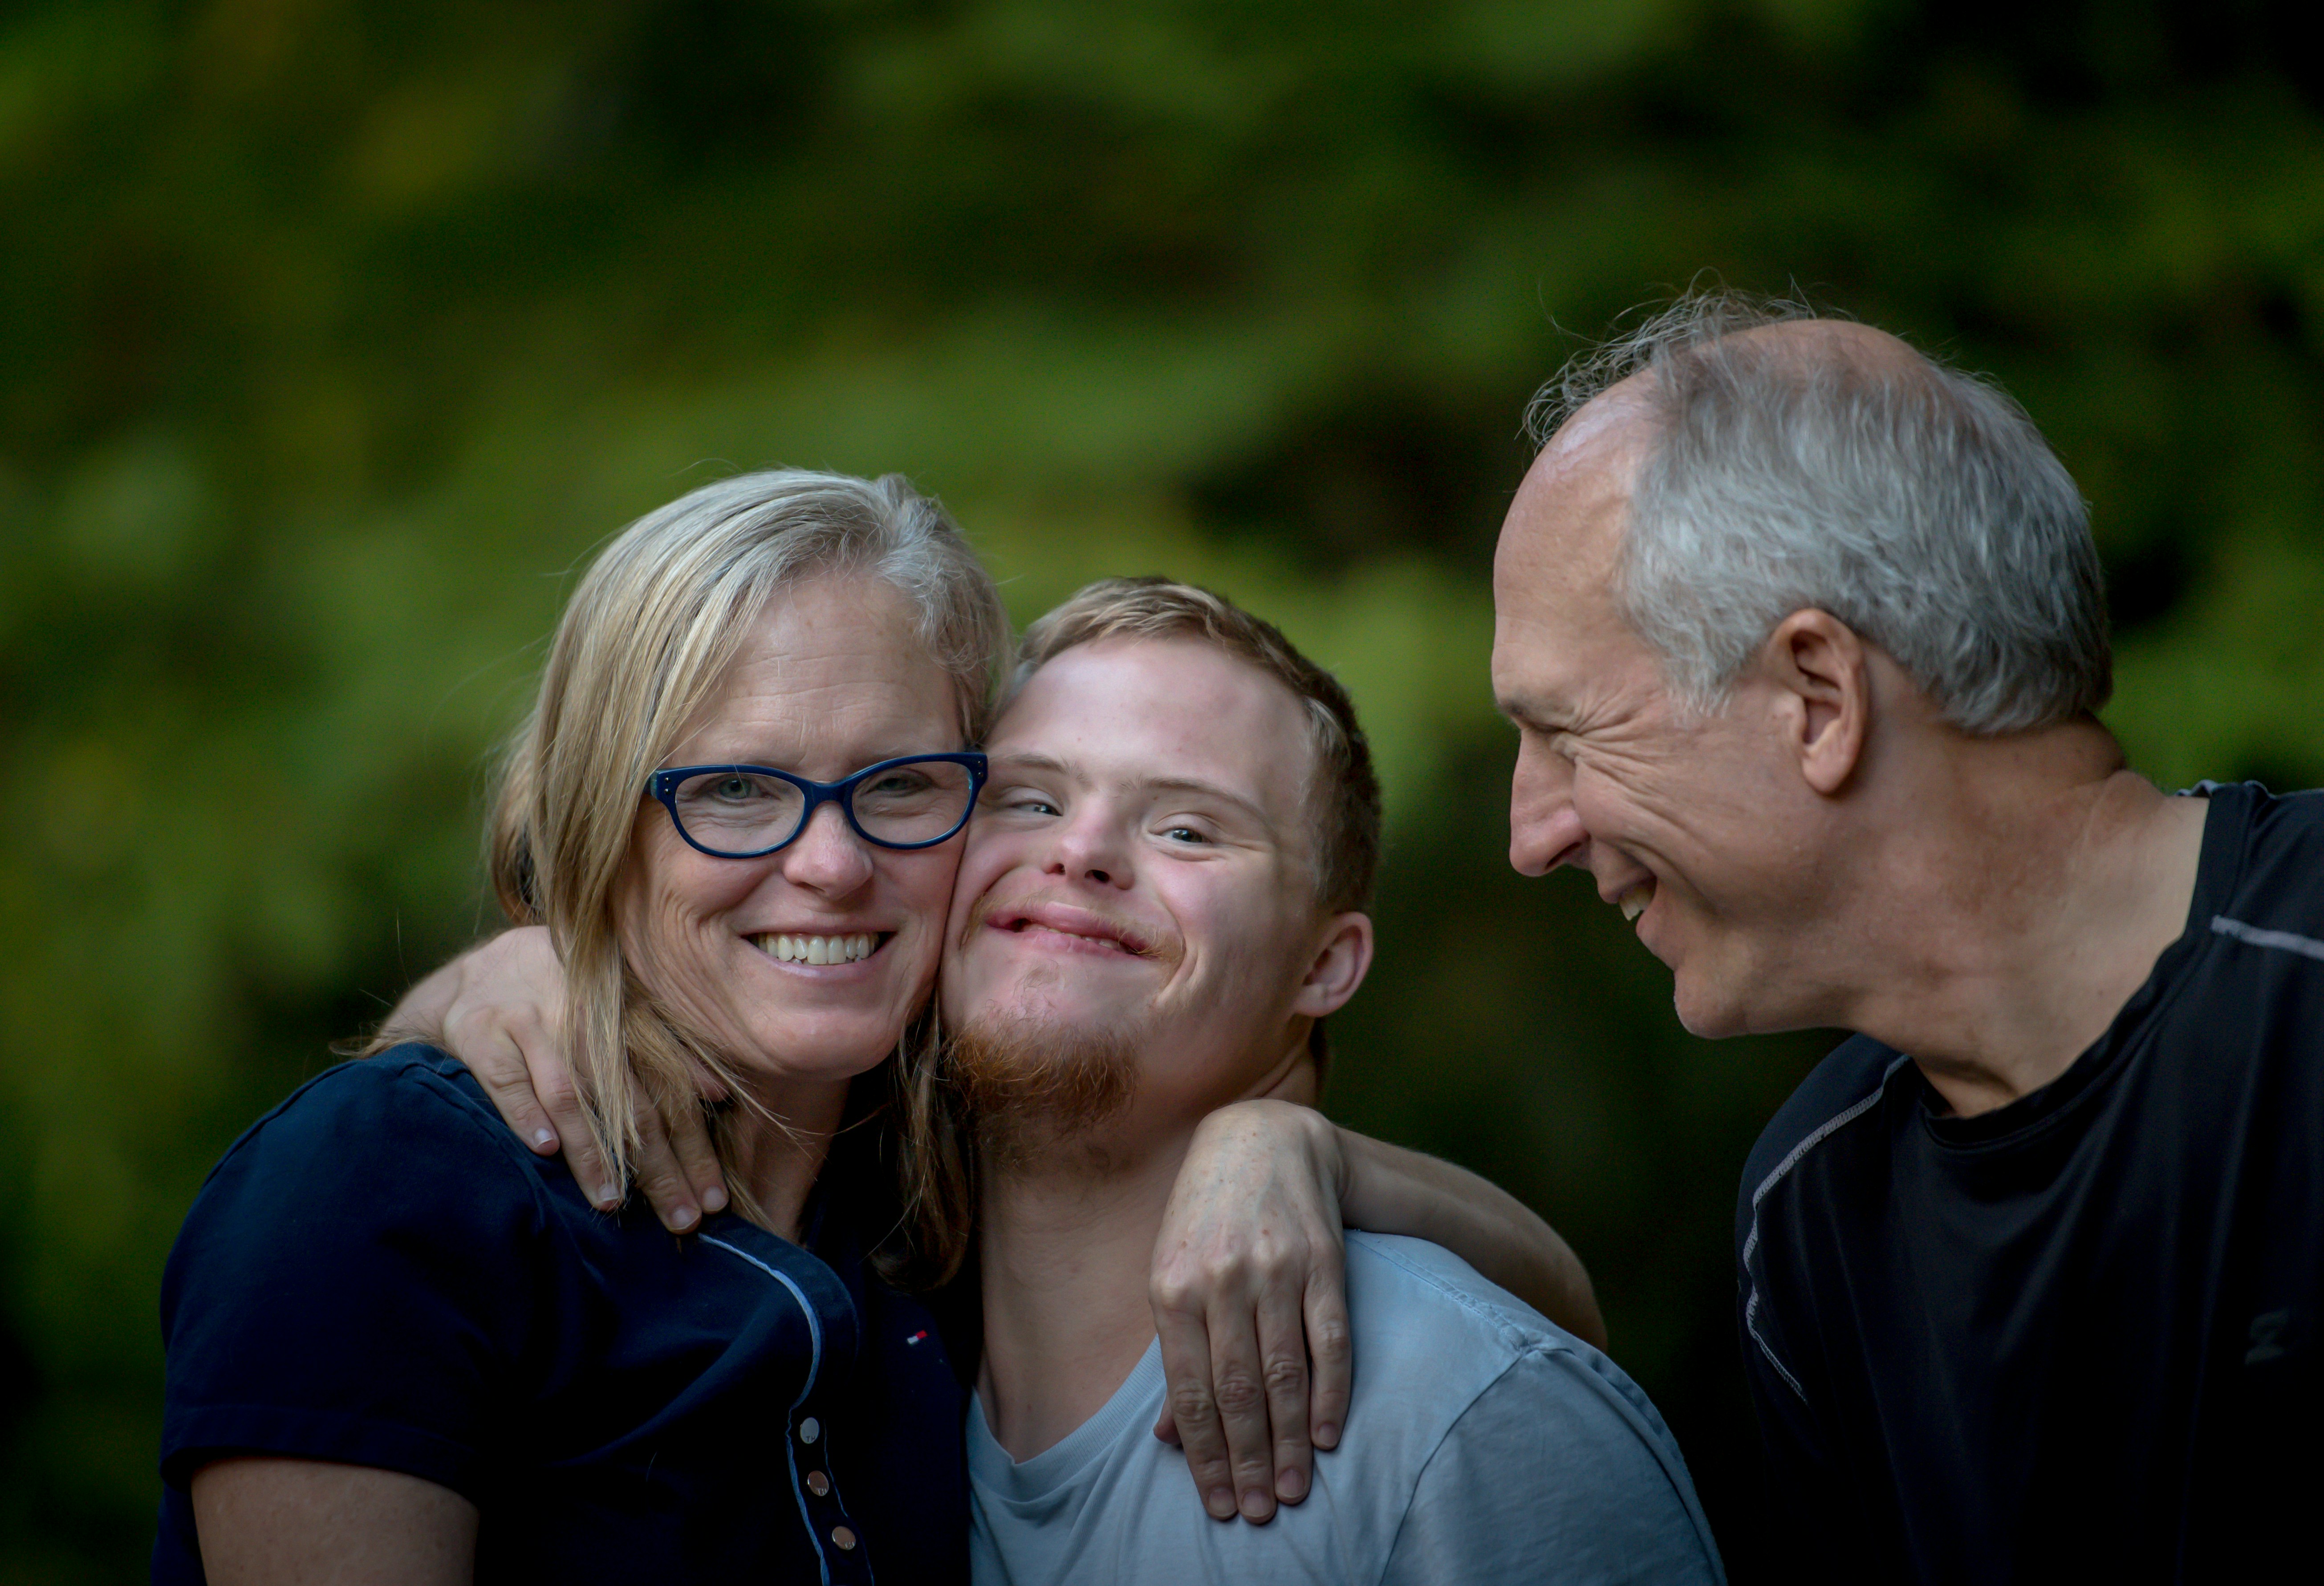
(697, 1160)
(552, 1082)
(1239, 1387)
(1282, 1372)
(1186, 1366)
(666, 1189)
(1330, 1354)
(498, 1064)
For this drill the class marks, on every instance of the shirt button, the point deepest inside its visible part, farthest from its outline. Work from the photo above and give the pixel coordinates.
(810, 1429)
(843, 1539)
(818, 1483)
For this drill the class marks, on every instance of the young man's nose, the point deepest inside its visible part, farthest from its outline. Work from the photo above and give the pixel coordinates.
(1544, 832)
(1092, 849)
(828, 857)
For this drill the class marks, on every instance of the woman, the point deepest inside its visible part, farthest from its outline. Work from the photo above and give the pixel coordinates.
(403, 1346)
(398, 1344)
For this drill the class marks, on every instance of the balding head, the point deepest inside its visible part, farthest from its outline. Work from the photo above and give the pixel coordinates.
(1598, 425)
(1771, 462)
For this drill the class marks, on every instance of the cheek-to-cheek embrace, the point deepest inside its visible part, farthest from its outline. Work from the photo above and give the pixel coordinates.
(1139, 874)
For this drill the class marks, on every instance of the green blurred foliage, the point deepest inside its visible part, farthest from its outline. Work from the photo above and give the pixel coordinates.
(334, 336)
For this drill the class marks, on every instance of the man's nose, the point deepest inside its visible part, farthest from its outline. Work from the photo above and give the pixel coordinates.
(1092, 847)
(1544, 832)
(828, 857)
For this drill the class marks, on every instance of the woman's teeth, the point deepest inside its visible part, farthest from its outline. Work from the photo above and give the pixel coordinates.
(817, 949)
(1633, 903)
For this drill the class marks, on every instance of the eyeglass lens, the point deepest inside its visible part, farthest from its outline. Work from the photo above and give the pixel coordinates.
(738, 812)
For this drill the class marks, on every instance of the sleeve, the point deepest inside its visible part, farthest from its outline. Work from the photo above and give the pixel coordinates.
(1805, 1507)
(1555, 1473)
(356, 1283)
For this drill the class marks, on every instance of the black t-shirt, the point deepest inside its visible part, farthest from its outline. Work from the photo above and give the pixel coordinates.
(2074, 1338)
(379, 1273)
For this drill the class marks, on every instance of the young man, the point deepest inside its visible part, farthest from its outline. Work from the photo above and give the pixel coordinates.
(1805, 639)
(1161, 900)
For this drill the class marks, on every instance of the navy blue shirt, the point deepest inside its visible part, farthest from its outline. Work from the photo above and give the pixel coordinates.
(2075, 1338)
(379, 1273)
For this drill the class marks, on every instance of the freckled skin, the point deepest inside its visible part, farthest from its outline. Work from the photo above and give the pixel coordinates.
(831, 679)
(1223, 891)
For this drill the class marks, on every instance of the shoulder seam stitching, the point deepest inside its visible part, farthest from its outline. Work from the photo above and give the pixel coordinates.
(1543, 1348)
(1751, 1240)
(441, 1089)
(1500, 1321)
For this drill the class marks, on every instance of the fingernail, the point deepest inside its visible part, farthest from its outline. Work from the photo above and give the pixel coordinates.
(682, 1219)
(1257, 1504)
(1290, 1485)
(714, 1199)
(544, 1139)
(1327, 1435)
(606, 1198)
(1220, 1503)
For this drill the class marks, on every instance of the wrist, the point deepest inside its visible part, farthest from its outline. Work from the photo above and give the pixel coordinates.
(1326, 1146)
(1356, 1164)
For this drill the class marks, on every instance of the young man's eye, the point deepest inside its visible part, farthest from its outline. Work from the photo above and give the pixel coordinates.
(1184, 834)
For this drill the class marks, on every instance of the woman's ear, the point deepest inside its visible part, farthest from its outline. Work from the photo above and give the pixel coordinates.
(1338, 967)
(1824, 695)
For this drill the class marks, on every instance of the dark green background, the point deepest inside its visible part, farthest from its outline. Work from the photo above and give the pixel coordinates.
(333, 336)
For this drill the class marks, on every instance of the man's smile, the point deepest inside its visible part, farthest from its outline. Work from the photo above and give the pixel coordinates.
(1065, 927)
(1633, 898)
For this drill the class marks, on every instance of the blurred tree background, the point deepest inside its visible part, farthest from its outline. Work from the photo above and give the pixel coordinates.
(334, 336)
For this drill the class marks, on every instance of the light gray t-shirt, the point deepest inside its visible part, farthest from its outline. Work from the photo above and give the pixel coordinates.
(1483, 1443)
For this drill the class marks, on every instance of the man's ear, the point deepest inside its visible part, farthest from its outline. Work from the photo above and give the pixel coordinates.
(1824, 695)
(1338, 967)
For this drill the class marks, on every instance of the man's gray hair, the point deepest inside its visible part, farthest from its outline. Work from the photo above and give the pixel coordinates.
(1916, 504)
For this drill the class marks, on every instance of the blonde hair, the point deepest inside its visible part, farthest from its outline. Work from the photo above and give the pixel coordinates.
(1343, 791)
(640, 651)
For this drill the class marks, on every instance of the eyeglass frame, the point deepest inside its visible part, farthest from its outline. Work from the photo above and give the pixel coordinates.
(662, 788)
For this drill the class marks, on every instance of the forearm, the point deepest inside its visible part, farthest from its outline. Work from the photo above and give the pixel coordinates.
(1390, 1190)
(420, 1013)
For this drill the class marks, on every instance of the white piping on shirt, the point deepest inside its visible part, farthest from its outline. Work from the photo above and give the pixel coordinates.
(2289, 941)
(2251, 934)
(1751, 1240)
(814, 1365)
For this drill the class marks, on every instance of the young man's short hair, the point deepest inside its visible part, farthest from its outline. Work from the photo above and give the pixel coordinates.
(1343, 792)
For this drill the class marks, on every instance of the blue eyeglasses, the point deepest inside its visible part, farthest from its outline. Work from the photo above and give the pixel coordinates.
(745, 811)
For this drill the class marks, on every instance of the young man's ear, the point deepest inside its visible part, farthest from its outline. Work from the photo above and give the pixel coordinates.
(1338, 967)
(1823, 695)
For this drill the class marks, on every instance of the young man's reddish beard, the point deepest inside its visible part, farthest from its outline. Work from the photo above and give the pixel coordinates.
(1033, 1085)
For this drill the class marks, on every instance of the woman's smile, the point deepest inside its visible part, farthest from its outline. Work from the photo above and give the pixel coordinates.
(803, 950)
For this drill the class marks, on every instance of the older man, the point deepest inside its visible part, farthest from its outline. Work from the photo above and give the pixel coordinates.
(1804, 636)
